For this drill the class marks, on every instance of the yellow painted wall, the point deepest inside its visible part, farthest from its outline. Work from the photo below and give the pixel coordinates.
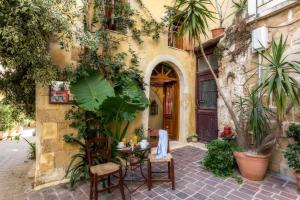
(53, 155)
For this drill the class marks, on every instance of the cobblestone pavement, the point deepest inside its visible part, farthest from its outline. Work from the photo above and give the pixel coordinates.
(14, 168)
(192, 182)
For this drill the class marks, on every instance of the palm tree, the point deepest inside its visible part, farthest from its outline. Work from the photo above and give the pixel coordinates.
(194, 16)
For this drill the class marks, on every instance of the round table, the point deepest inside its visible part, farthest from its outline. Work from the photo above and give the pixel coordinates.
(134, 159)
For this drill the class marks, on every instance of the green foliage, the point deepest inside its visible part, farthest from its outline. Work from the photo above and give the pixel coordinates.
(279, 75)
(106, 103)
(239, 7)
(32, 149)
(26, 27)
(10, 117)
(292, 154)
(140, 132)
(6, 120)
(78, 168)
(219, 159)
(255, 114)
(294, 132)
(219, 51)
(192, 17)
(90, 92)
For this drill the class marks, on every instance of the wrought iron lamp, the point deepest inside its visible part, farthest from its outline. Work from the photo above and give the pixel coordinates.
(153, 108)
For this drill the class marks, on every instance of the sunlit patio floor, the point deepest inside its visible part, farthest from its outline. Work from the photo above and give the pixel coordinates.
(192, 182)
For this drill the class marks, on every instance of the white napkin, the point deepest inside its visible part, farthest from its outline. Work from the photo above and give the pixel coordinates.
(162, 147)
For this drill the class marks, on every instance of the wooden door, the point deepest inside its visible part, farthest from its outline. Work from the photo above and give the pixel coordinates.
(170, 109)
(206, 100)
(206, 109)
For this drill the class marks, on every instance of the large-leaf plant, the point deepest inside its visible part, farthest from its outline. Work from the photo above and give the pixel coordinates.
(102, 109)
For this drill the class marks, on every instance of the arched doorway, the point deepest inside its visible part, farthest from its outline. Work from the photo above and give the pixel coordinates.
(164, 100)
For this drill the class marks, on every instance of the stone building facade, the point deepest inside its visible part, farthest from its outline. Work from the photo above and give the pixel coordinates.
(280, 17)
(53, 154)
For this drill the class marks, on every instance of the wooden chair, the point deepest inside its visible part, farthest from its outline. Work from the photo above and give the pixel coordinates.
(99, 151)
(153, 137)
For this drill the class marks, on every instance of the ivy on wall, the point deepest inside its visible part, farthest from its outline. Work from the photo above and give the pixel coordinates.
(27, 27)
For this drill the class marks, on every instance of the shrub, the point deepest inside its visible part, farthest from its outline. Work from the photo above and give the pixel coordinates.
(7, 121)
(219, 159)
(292, 154)
(294, 132)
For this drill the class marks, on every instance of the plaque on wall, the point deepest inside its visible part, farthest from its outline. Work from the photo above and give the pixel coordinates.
(59, 93)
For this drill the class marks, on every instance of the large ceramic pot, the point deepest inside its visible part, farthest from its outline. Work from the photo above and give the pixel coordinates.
(217, 32)
(297, 175)
(252, 167)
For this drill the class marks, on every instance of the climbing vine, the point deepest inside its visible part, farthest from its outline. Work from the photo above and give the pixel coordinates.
(27, 27)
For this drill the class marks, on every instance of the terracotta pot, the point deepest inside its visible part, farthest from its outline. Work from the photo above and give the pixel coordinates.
(217, 32)
(252, 167)
(297, 175)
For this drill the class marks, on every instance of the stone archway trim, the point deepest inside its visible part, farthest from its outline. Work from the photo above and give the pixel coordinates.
(179, 68)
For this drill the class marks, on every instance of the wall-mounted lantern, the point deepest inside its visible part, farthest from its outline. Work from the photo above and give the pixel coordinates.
(153, 108)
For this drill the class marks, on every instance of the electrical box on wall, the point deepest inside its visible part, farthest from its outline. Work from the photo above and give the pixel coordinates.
(252, 6)
(260, 39)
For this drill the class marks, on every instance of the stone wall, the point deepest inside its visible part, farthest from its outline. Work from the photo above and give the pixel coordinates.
(287, 23)
(53, 155)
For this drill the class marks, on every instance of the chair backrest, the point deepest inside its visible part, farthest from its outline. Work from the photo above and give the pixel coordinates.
(153, 138)
(98, 150)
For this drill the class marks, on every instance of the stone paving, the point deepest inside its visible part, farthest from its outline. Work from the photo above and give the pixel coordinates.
(192, 182)
(14, 168)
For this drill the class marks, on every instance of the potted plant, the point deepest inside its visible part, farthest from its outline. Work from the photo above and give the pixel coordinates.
(240, 8)
(255, 119)
(192, 138)
(278, 83)
(272, 84)
(221, 16)
(292, 152)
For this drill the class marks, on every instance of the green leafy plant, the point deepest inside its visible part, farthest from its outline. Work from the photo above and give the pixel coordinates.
(279, 83)
(255, 115)
(123, 108)
(219, 51)
(90, 92)
(219, 159)
(140, 132)
(32, 149)
(239, 7)
(194, 15)
(292, 152)
(26, 27)
(294, 132)
(6, 120)
(78, 168)
(102, 110)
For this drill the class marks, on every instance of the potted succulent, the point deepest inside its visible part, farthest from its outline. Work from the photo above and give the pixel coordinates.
(255, 119)
(277, 82)
(253, 165)
(292, 152)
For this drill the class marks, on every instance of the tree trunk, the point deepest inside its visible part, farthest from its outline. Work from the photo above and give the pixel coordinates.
(238, 128)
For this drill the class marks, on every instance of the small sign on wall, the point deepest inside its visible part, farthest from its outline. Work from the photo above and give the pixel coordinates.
(59, 93)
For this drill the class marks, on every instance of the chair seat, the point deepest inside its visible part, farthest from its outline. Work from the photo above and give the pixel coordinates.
(153, 159)
(106, 168)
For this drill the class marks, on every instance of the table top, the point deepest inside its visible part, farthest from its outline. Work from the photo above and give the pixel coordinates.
(135, 150)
